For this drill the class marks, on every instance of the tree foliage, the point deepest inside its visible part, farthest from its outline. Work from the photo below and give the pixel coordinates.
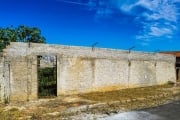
(20, 34)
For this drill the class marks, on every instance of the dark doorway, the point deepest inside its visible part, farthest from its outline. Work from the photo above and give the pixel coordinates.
(177, 74)
(178, 68)
(47, 76)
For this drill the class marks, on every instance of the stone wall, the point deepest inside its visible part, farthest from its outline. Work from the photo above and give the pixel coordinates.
(23, 78)
(1, 77)
(80, 70)
(79, 75)
(4, 80)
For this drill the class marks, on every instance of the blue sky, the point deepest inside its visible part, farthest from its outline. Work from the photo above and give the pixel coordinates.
(149, 25)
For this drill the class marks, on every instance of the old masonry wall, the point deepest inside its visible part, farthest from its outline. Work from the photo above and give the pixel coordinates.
(81, 69)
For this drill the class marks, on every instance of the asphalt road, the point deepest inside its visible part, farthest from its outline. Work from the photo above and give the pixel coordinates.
(169, 111)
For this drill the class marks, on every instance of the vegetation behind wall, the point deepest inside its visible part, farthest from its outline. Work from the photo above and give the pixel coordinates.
(47, 82)
(20, 34)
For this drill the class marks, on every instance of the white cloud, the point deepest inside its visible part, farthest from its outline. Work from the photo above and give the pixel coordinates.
(127, 8)
(159, 18)
(164, 10)
(158, 32)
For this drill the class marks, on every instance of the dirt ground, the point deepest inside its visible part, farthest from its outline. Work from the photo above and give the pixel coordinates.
(63, 107)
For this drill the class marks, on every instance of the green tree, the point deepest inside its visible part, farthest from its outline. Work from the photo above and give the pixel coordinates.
(20, 34)
(27, 34)
(6, 35)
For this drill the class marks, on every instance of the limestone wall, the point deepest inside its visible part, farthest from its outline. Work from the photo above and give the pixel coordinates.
(142, 73)
(110, 74)
(165, 71)
(1, 77)
(80, 70)
(4, 80)
(22, 49)
(23, 80)
(79, 75)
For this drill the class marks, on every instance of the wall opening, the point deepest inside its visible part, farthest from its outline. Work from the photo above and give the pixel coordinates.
(47, 76)
(178, 68)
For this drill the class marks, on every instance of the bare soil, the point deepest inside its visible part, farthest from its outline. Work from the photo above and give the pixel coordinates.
(63, 107)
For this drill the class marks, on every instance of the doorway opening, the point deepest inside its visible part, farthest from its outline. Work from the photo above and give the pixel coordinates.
(178, 68)
(47, 76)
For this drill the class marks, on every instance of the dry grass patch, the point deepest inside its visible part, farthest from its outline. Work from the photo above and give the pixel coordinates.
(12, 114)
(135, 98)
(143, 92)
